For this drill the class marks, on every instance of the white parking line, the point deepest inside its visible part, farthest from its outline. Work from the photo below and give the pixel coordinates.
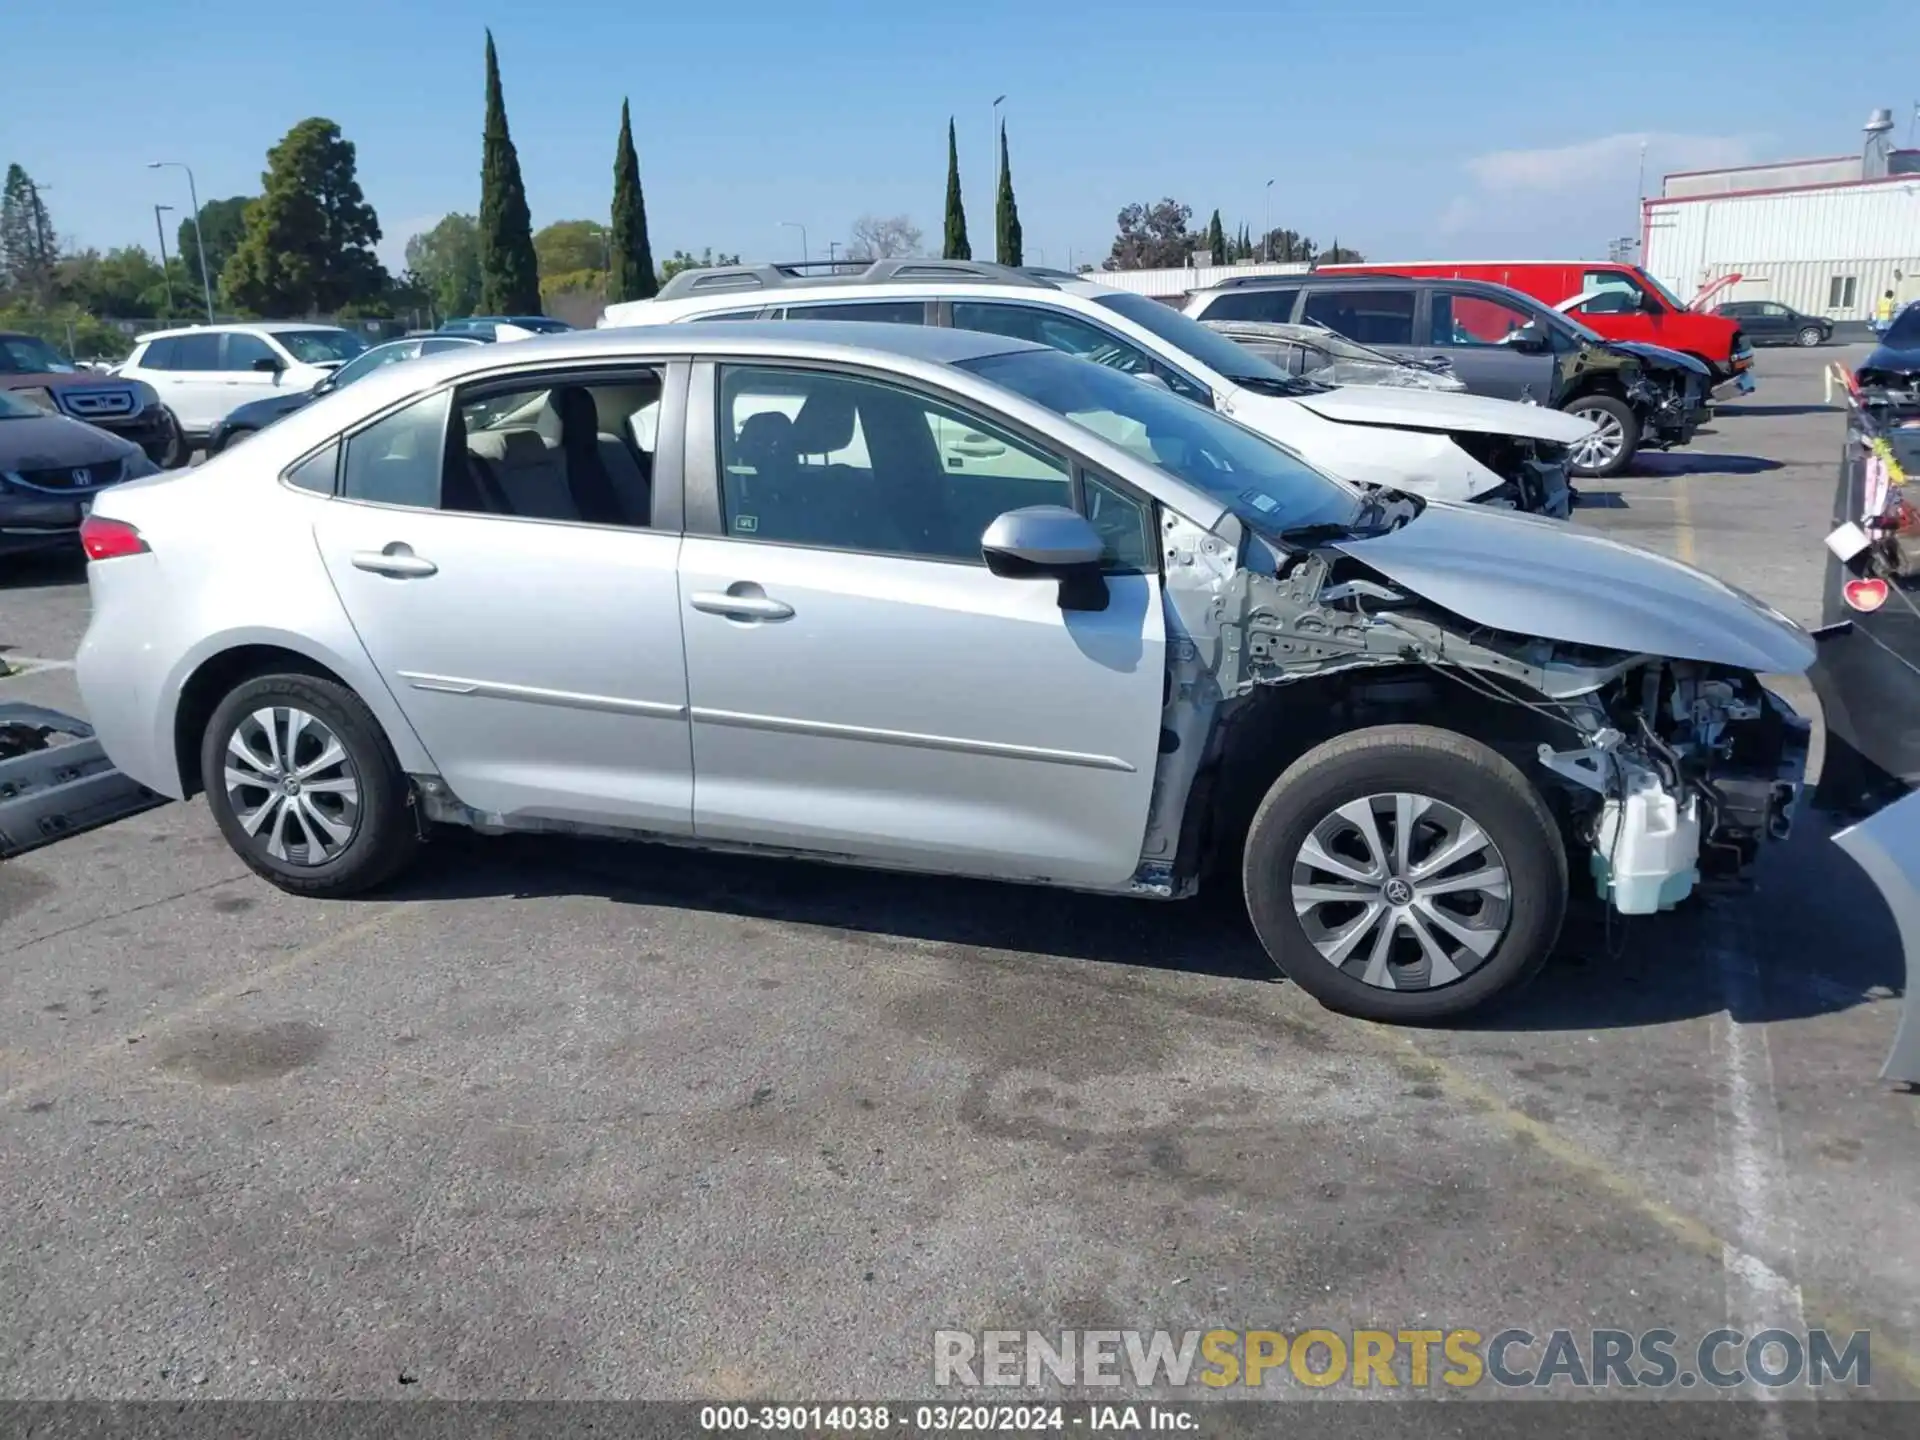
(1747, 1119)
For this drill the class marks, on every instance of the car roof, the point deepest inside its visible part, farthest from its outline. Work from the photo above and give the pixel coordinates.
(935, 343)
(1352, 282)
(247, 327)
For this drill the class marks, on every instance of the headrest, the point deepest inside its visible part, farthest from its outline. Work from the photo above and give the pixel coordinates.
(825, 423)
(768, 434)
(525, 447)
(574, 404)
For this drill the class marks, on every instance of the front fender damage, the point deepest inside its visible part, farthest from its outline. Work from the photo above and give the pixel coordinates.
(1650, 763)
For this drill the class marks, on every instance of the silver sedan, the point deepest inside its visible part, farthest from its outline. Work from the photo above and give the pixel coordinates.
(933, 600)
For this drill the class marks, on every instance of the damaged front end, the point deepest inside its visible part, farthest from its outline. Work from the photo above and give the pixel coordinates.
(1671, 404)
(1533, 472)
(1658, 769)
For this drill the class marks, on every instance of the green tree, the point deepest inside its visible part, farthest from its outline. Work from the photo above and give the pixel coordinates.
(445, 264)
(630, 273)
(570, 245)
(1006, 212)
(27, 247)
(224, 224)
(956, 247)
(509, 269)
(1338, 254)
(1217, 239)
(682, 260)
(308, 245)
(126, 284)
(1152, 237)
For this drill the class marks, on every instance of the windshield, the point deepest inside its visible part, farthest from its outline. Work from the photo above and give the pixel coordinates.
(1190, 337)
(1904, 333)
(372, 360)
(320, 347)
(1664, 293)
(1269, 488)
(30, 355)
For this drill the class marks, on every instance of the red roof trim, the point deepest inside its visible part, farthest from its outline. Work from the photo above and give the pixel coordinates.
(1782, 190)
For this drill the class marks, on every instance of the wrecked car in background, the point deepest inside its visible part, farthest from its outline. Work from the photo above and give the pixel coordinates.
(1315, 353)
(1498, 342)
(1447, 446)
(1129, 646)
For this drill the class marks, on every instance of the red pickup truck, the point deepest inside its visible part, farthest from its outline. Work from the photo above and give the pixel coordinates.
(1621, 302)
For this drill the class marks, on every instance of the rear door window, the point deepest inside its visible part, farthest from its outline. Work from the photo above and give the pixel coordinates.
(1373, 317)
(157, 356)
(1275, 306)
(196, 352)
(880, 312)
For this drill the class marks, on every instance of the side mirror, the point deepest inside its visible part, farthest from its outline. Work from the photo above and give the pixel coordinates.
(1049, 542)
(1528, 342)
(1650, 304)
(269, 364)
(1147, 377)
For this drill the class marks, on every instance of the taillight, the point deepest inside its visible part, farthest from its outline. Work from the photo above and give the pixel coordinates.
(105, 539)
(1865, 595)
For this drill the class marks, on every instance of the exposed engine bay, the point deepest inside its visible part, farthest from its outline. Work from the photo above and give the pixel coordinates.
(1671, 404)
(1659, 770)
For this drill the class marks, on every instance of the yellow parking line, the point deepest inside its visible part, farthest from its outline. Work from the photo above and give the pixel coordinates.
(211, 1001)
(1692, 1233)
(1683, 522)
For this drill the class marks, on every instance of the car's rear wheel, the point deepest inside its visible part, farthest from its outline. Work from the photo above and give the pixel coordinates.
(1405, 873)
(305, 787)
(1616, 436)
(1811, 336)
(174, 450)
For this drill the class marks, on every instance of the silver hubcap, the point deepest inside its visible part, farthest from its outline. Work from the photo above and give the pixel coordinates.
(1809, 337)
(1401, 892)
(291, 786)
(1603, 447)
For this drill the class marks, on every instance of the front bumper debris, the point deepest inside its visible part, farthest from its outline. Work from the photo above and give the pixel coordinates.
(51, 788)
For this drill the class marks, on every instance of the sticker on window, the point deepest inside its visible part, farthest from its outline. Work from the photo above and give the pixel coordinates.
(747, 523)
(1259, 501)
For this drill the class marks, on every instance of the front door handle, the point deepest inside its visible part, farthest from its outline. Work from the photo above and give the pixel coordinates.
(396, 561)
(740, 606)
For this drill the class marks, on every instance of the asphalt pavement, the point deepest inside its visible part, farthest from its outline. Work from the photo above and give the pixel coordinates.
(559, 1118)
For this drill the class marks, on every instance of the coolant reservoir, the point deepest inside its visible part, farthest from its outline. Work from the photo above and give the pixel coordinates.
(1646, 850)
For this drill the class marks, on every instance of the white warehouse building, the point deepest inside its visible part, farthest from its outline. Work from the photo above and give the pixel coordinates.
(1826, 237)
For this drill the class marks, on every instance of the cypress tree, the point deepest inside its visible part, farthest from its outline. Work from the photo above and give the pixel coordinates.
(509, 272)
(1006, 213)
(956, 247)
(630, 269)
(1217, 240)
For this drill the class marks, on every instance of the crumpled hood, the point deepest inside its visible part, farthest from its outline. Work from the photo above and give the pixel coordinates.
(1659, 355)
(1441, 410)
(53, 442)
(1546, 578)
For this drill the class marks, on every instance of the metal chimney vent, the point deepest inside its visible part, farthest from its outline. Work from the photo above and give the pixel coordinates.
(1874, 160)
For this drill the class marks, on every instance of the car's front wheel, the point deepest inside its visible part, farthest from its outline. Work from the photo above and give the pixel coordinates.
(1615, 438)
(305, 787)
(1405, 873)
(1811, 336)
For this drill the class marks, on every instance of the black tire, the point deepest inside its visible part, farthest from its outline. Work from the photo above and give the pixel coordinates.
(174, 451)
(1448, 768)
(1810, 336)
(383, 835)
(1619, 413)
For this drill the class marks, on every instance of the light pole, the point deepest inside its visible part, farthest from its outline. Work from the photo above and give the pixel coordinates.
(160, 234)
(796, 225)
(199, 240)
(1266, 227)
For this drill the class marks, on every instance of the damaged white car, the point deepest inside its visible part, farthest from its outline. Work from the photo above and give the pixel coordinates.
(1445, 446)
(934, 600)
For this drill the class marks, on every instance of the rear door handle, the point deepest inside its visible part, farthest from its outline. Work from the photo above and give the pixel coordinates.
(396, 561)
(740, 607)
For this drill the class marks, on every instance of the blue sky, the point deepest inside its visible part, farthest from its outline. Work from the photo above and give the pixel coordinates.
(1450, 130)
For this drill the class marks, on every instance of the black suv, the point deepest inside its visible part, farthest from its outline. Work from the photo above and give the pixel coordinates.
(1768, 322)
(1498, 342)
